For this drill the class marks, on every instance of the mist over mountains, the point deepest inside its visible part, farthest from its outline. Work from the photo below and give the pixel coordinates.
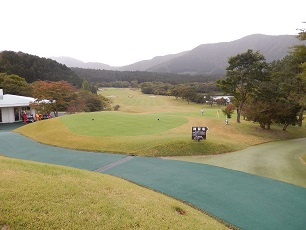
(72, 62)
(204, 59)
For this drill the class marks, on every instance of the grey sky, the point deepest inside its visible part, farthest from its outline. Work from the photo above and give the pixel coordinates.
(121, 32)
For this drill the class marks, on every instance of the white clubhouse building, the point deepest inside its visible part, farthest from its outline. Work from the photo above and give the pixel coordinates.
(13, 106)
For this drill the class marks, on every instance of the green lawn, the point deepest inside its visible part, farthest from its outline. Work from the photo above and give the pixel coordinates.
(121, 124)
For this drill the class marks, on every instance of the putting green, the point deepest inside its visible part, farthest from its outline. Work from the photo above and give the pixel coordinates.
(120, 123)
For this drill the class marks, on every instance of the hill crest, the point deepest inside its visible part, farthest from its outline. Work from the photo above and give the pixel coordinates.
(210, 58)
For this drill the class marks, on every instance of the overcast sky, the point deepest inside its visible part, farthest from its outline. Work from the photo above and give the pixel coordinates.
(121, 32)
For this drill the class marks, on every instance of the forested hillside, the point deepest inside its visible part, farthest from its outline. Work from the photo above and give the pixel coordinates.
(98, 76)
(34, 68)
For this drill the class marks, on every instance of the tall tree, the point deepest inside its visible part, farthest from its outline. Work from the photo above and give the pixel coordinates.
(271, 102)
(188, 93)
(13, 84)
(86, 86)
(299, 66)
(88, 102)
(302, 33)
(58, 93)
(276, 100)
(244, 73)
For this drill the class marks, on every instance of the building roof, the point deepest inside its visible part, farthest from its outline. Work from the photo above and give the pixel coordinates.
(9, 100)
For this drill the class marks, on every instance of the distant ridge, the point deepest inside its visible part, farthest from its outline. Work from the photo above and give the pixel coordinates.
(147, 64)
(213, 58)
(203, 59)
(72, 62)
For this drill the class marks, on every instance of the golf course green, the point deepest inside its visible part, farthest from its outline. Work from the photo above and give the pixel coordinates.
(153, 125)
(159, 126)
(121, 124)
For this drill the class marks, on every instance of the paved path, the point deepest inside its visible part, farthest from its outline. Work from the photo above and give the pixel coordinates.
(118, 162)
(244, 200)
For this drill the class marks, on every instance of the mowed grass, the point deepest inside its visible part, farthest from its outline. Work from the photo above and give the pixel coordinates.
(133, 101)
(41, 196)
(148, 125)
(120, 124)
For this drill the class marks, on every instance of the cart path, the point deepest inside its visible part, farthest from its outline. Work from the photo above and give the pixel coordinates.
(241, 199)
(118, 162)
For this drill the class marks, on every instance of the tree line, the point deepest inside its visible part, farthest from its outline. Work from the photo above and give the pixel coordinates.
(268, 92)
(191, 92)
(108, 76)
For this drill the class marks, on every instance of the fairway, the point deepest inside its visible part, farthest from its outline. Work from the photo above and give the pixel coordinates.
(133, 101)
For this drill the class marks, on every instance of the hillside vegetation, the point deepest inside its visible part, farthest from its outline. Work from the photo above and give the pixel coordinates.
(102, 76)
(150, 125)
(33, 68)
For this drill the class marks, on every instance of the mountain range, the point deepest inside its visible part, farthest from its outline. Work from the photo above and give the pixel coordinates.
(209, 58)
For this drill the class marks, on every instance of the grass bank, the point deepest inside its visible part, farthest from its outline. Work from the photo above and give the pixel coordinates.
(40, 196)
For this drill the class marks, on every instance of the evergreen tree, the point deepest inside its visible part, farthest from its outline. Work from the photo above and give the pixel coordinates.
(243, 74)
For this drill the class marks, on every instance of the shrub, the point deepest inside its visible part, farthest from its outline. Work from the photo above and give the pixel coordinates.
(116, 107)
(229, 110)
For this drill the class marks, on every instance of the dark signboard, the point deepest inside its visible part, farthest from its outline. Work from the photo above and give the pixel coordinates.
(199, 133)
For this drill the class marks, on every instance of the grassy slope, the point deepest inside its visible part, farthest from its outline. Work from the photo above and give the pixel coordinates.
(143, 134)
(40, 196)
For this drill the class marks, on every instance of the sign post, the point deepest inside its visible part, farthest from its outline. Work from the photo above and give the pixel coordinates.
(199, 133)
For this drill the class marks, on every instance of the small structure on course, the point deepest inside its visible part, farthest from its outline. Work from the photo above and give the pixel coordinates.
(199, 133)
